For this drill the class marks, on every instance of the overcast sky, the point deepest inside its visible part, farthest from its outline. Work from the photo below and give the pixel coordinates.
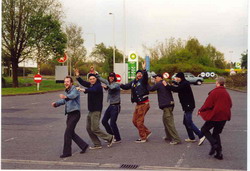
(222, 23)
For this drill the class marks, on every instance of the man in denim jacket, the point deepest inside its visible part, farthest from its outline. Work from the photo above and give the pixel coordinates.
(71, 100)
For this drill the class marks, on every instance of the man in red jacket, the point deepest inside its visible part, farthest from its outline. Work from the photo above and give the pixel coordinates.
(216, 111)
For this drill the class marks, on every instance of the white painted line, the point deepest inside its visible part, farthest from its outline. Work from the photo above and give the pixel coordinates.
(60, 163)
(10, 139)
(110, 165)
(35, 103)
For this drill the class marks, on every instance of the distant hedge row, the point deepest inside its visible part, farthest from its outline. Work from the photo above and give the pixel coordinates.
(195, 69)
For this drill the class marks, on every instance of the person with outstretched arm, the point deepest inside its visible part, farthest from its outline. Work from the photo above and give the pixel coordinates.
(187, 101)
(112, 112)
(216, 111)
(139, 95)
(166, 103)
(95, 105)
(71, 100)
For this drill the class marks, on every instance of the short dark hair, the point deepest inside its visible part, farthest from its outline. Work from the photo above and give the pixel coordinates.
(71, 79)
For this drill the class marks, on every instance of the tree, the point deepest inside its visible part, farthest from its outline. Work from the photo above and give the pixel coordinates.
(15, 17)
(103, 54)
(75, 49)
(244, 60)
(46, 37)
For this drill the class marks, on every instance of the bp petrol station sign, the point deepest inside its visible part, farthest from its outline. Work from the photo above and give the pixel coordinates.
(132, 65)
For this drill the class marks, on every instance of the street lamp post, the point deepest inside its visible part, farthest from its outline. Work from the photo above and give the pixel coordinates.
(113, 40)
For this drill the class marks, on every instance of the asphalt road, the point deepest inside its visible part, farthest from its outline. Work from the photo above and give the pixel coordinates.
(32, 137)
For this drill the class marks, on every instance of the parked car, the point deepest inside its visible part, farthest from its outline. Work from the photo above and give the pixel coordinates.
(191, 78)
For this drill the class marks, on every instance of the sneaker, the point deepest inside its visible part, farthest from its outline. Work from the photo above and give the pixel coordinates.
(117, 142)
(65, 155)
(189, 140)
(95, 147)
(173, 143)
(149, 135)
(202, 139)
(140, 141)
(111, 141)
(166, 138)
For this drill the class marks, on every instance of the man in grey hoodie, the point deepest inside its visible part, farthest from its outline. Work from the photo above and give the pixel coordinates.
(114, 108)
(166, 103)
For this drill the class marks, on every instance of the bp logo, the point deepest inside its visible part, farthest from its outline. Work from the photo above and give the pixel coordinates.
(133, 56)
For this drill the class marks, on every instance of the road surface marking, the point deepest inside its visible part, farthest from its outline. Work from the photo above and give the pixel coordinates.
(83, 164)
(10, 139)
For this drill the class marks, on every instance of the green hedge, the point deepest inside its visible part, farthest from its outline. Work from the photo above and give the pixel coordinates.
(237, 80)
(195, 69)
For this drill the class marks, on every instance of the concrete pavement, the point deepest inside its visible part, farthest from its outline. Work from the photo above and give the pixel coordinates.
(32, 137)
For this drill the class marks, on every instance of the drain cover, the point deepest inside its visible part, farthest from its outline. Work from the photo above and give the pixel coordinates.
(129, 166)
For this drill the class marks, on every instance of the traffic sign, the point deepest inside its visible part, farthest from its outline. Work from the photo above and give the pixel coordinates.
(38, 78)
(118, 77)
(62, 59)
(212, 74)
(166, 75)
(207, 74)
(203, 74)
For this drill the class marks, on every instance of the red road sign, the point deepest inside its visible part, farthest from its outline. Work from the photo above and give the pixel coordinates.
(37, 78)
(165, 75)
(62, 59)
(119, 78)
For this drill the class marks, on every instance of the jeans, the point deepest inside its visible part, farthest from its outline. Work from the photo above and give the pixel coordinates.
(190, 126)
(215, 137)
(94, 130)
(69, 135)
(168, 122)
(138, 119)
(112, 115)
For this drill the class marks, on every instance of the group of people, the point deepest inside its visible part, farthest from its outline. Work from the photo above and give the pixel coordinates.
(215, 111)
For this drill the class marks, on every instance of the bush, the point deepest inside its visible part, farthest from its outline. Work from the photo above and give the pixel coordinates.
(26, 71)
(47, 69)
(193, 68)
(237, 80)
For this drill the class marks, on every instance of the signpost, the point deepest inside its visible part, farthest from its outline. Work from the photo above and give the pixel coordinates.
(132, 70)
(38, 79)
(119, 78)
(166, 75)
(62, 59)
(132, 65)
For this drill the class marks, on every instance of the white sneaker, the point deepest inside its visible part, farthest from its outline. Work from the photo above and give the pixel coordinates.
(149, 135)
(111, 141)
(117, 142)
(95, 147)
(140, 141)
(201, 140)
(189, 140)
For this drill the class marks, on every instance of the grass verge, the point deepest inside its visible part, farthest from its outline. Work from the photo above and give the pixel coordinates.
(45, 86)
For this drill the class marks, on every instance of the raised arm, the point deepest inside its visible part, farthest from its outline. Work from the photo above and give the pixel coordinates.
(126, 86)
(83, 82)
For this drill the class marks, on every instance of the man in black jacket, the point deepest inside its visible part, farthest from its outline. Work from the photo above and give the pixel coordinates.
(139, 95)
(166, 103)
(95, 104)
(186, 97)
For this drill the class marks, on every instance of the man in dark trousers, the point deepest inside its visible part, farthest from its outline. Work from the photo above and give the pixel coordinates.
(95, 104)
(216, 111)
(139, 95)
(71, 100)
(166, 103)
(186, 97)
(112, 112)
